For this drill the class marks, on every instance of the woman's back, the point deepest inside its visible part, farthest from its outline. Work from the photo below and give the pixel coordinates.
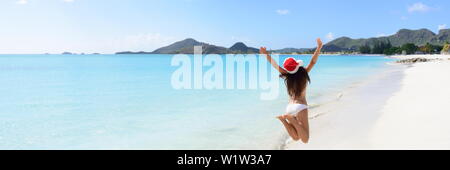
(300, 99)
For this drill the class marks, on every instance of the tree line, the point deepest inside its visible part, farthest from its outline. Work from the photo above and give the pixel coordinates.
(385, 47)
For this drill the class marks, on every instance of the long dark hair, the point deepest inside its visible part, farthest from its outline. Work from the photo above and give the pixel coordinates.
(296, 83)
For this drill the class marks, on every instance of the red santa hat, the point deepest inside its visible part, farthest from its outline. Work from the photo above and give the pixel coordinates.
(291, 65)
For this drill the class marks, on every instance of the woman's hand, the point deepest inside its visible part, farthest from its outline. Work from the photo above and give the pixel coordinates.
(263, 50)
(315, 56)
(269, 58)
(319, 43)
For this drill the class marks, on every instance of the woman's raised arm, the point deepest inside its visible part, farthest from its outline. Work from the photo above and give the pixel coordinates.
(315, 56)
(269, 58)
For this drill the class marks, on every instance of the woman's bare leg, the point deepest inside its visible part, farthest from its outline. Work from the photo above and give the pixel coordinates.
(293, 121)
(302, 118)
(290, 128)
(298, 123)
(301, 125)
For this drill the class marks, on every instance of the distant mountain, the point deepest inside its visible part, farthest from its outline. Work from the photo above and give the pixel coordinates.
(292, 50)
(178, 46)
(243, 49)
(130, 52)
(403, 36)
(442, 37)
(187, 47)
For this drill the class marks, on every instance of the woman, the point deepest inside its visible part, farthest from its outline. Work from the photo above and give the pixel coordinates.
(296, 78)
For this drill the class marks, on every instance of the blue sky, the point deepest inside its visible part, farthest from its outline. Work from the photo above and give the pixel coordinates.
(108, 26)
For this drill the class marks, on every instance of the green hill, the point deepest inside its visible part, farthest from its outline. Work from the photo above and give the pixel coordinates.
(241, 48)
(292, 50)
(187, 47)
(403, 36)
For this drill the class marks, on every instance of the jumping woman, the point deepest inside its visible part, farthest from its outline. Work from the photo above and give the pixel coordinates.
(296, 78)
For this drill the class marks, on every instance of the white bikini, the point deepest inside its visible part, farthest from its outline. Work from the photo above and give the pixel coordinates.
(295, 108)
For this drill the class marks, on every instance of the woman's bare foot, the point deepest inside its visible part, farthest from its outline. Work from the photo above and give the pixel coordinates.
(281, 117)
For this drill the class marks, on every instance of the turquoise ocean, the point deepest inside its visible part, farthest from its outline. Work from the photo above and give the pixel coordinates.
(128, 102)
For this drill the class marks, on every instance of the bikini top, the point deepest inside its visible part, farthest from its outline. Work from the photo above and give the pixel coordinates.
(295, 108)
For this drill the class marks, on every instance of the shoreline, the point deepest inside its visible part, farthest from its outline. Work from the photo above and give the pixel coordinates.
(383, 111)
(427, 56)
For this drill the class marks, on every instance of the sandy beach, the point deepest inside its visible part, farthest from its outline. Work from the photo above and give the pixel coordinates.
(403, 107)
(433, 56)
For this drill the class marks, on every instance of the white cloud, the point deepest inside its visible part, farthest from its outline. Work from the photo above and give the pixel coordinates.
(382, 35)
(22, 2)
(330, 36)
(441, 27)
(418, 7)
(283, 11)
